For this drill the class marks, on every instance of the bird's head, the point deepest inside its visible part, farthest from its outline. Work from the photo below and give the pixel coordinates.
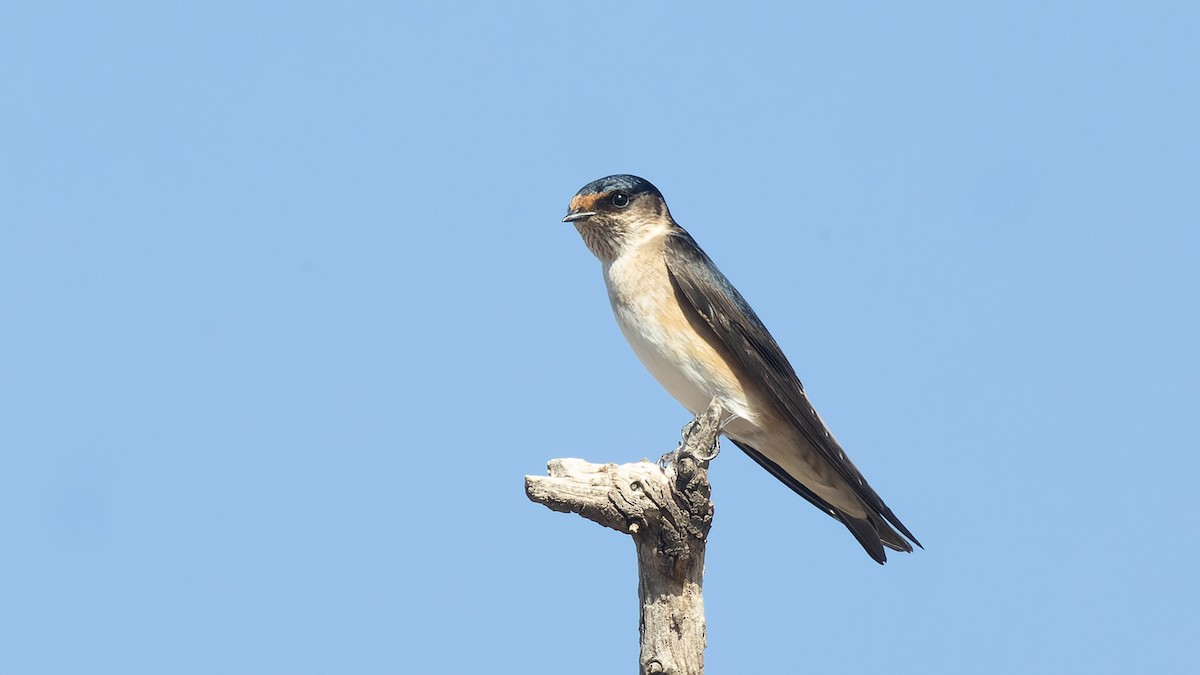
(616, 212)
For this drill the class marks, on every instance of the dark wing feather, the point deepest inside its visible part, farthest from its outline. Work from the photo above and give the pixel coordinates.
(862, 528)
(718, 303)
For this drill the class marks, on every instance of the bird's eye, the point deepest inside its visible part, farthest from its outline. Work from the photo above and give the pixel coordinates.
(619, 199)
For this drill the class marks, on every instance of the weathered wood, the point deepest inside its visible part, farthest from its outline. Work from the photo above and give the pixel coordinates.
(666, 508)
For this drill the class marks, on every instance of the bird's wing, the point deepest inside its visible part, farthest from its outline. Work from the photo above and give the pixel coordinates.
(744, 336)
(871, 532)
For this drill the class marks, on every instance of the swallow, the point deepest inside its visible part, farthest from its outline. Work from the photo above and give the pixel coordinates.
(700, 339)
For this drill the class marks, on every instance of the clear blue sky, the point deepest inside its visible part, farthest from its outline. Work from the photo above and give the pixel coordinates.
(288, 313)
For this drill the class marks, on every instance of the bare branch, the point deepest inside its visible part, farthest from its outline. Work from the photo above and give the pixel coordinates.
(667, 509)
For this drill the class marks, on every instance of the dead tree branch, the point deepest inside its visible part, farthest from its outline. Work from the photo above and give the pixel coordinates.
(667, 509)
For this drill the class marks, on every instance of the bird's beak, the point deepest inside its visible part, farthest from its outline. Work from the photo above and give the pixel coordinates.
(578, 215)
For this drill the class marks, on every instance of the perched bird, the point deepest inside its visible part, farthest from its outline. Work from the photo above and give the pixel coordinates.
(696, 335)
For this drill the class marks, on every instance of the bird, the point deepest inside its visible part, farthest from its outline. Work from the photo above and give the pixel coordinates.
(701, 340)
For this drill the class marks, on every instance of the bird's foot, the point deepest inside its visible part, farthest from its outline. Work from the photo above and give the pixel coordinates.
(688, 446)
(668, 458)
(712, 452)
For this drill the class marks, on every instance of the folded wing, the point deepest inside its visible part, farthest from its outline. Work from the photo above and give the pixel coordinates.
(746, 339)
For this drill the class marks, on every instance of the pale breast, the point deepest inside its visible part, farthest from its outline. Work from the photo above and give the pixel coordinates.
(680, 358)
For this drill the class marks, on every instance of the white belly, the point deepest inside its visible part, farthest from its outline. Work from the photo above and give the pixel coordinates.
(688, 382)
(681, 359)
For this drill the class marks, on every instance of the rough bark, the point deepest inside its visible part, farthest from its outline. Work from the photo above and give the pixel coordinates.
(666, 508)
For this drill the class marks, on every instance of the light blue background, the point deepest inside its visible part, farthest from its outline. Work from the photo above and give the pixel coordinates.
(288, 313)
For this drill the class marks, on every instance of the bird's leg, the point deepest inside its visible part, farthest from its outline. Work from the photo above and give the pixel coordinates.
(692, 435)
(670, 457)
(716, 442)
